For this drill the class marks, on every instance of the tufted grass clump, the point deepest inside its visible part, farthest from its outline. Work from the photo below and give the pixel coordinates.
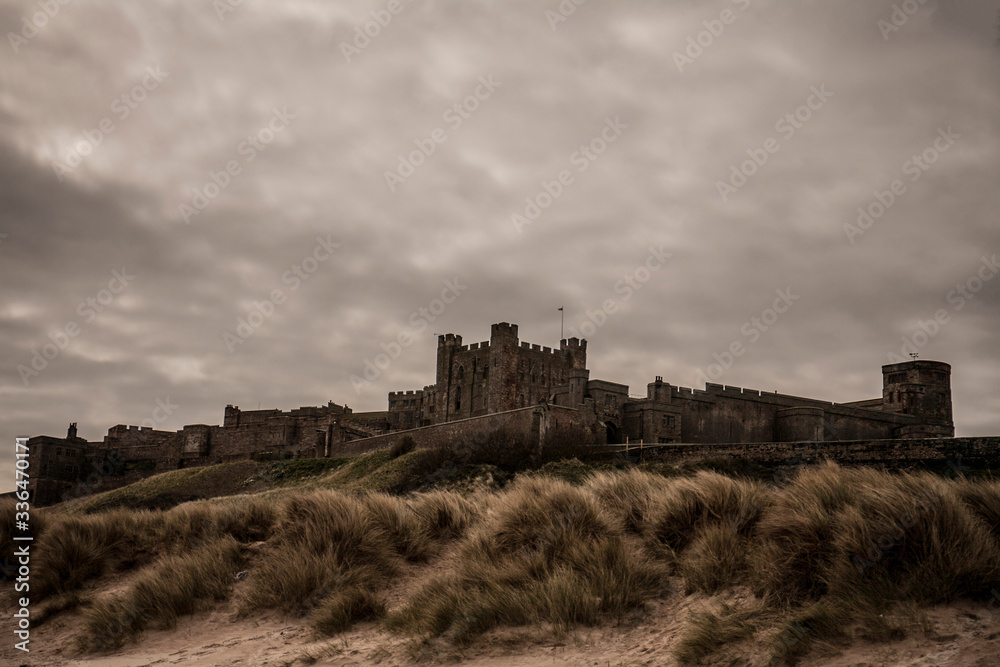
(175, 586)
(543, 552)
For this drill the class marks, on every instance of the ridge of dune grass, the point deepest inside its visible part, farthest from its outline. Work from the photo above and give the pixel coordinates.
(829, 554)
(544, 552)
(332, 553)
(378, 471)
(77, 549)
(177, 585)
(840, 549)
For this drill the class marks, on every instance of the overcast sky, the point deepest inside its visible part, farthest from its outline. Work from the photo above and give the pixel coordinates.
(358, 193)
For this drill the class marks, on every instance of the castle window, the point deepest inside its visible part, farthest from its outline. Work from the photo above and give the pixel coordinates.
(58, 451)
(461, 373)
(458, 398)
(486, 372)
(520, 400)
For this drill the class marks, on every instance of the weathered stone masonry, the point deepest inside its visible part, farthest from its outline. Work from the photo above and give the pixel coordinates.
(528, 389)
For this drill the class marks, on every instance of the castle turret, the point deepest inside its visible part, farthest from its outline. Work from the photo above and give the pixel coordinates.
(922, 389)
(576, 349)
(502, 387)
(232, 416)
(448, 344)
(578, 378)
(658, 390)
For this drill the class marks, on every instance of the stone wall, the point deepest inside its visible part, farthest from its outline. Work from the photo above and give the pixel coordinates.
(980, 452)
(539, 423)
(733, 414)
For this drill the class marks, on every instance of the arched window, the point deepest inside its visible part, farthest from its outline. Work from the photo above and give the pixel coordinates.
(461, 373)
(458, 398)
(521, 400)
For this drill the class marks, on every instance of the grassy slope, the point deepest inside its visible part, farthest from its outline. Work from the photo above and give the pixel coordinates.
(566, 543)
(376, 472)
(168, 489)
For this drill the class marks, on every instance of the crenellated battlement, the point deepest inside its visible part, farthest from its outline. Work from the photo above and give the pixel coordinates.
(543, 349)
(503, 330)
(449, 340)
(412, 393)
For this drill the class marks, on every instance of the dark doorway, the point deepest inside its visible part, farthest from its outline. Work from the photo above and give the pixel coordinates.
(615, 435)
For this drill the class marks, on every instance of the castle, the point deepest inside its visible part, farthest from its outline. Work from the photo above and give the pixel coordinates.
(502, 383)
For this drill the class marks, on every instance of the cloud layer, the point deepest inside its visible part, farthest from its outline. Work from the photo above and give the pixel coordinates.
(217, 155)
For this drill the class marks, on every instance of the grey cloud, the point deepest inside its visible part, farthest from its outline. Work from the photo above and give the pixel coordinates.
(655, 185)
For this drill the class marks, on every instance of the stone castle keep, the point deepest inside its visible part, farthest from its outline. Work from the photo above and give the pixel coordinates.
(503, 383)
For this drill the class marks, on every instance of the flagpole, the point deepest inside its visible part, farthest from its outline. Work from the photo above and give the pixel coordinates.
(562, 320)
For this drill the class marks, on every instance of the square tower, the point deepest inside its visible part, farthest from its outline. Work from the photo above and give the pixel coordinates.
(922, 389)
